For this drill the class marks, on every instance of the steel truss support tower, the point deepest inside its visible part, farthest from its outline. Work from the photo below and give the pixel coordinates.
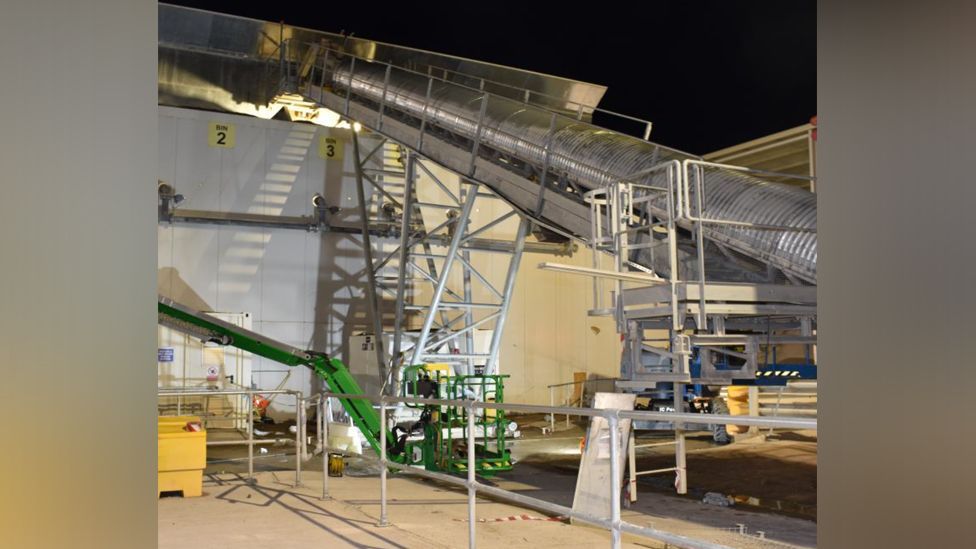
(437, 265)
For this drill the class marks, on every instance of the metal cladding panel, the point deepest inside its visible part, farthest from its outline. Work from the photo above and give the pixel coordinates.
(595, 158)
(240, 38)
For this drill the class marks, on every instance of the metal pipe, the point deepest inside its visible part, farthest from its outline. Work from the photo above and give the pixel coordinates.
(250, 438)
(383, 464)
(552, 403)
(464, 257)
(249, 443)
(472, 482)
(614, 426)
(324, 437)
(632, 466)
(471, 235)
(172, 393)
(465, 260)
(583, 381)
(299, 442)
(510, 277)
(444, 276)
(655, 471)
(469, 328)
(370, 268)
(640, 415)
(408, 186)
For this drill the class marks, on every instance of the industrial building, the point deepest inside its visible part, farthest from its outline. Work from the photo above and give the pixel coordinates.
(411, 298)
(408, 288)
(401, 266)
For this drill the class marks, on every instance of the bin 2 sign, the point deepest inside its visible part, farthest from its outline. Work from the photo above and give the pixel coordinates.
(221, 135)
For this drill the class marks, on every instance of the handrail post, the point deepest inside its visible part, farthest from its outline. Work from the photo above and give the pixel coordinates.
(552, 403)
(383, 467)
(472, 491)
(324, 438)
(250, 437)
(614, 425)
(298, 439)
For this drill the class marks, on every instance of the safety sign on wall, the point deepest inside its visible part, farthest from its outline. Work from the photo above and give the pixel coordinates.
(221, 135)
(212, 373)
(330, 148)
(164, 354)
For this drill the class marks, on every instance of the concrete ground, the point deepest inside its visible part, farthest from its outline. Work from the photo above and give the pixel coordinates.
(423, 513)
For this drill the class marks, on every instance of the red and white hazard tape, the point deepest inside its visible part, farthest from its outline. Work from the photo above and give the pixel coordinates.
(518, 517)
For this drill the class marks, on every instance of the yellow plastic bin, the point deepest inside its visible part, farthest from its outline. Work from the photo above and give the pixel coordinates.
(182, 456)
(738, 406)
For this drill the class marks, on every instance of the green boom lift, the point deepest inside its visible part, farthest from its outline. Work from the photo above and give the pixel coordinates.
(438, 450)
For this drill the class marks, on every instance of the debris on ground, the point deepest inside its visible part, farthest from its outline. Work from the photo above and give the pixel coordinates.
(715, 498)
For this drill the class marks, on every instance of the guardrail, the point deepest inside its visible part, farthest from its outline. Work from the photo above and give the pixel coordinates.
(250, 441)
(613, 523)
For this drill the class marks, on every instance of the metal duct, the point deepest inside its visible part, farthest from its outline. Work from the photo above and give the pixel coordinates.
(592, 158)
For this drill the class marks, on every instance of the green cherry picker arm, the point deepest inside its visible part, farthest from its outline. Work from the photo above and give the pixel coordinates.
(209, 329)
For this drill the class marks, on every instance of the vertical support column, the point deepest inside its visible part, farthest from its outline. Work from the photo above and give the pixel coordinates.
(299, 421)
(700, 245)
(392, 380)
(469, 312)
(552, 416)
(632, 465)
(383, 467)
(303, 429)
(491, 365)
(250, 437)
(753, 406)
(472, 492)
(679, 360)
(596, 236)
(324, 438)
(680, 450)
(614, 424)
(462, 221)
(371, 299)
(622, 196)
(812, 157)
(806, 329)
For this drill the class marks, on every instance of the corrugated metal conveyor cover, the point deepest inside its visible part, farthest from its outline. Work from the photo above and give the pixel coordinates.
(593, 158)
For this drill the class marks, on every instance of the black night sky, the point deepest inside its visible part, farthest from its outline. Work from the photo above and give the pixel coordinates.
(708, 74)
